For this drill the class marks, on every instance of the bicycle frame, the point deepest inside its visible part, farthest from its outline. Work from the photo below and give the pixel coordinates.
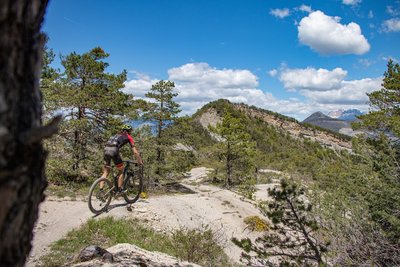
(127, 163)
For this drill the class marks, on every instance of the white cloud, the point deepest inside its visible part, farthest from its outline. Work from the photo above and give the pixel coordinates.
(140, 86)
(392, 11)
(202, 73)
(199, 83)
(327, 90)
(326, 35)
(273, 72)
(312, 79)
(280, 13)
(324, 90)
(391, 25)
(365, 62)
(350, 93)
(305, 8)
(351, 2)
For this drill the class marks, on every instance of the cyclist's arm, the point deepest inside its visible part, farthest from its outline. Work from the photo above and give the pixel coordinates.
(134, 150)
(137, 155)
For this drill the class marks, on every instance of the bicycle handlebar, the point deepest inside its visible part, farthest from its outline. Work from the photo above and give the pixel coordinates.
(129, 161)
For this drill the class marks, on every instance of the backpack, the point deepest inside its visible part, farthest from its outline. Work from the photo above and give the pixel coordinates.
(113, 141)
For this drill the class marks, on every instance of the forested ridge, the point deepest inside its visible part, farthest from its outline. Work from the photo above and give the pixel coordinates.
(351, 215)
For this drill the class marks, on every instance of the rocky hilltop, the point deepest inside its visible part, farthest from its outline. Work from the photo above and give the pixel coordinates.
(211, 116)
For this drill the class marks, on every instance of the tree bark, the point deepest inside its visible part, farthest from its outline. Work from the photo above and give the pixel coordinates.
(22, 157)
(228, 166)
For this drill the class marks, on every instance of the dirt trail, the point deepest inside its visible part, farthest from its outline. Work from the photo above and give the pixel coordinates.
(222, 210)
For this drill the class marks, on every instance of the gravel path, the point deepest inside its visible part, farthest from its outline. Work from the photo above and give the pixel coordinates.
(220, 209)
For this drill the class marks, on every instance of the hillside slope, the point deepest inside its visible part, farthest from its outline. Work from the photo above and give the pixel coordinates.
(211, 113)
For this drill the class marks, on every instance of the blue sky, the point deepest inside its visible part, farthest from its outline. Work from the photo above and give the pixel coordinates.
(291, 57)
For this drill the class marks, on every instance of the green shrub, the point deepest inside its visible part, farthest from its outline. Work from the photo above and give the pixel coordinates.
(199, 246)
(247, 188)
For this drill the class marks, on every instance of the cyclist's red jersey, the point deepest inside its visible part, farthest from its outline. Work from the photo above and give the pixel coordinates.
(120, 139)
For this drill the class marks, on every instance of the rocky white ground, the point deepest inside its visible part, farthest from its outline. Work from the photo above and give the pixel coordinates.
(220, 209)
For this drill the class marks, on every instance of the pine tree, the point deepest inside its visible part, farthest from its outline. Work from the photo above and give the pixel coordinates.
(48, 78)
(292, 238)
(163, 110)
(90, 99)
(382, 153)
(385, 103)
(236, 147)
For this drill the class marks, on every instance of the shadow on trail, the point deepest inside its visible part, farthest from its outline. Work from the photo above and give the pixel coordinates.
(111, 207)
(176, 187)
(173, 187)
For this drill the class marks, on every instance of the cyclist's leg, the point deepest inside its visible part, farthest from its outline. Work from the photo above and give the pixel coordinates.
(106, 170)
(120, 167)
(106, 167)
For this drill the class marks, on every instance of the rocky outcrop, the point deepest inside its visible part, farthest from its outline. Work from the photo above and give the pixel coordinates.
(182, 147)
(131, 255)
(211, 118)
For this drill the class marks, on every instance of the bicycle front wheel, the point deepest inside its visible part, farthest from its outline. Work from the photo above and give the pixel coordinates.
(100, 194)
(133, 186)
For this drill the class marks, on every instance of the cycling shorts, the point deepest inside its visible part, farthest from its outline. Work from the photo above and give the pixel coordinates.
(112, 153)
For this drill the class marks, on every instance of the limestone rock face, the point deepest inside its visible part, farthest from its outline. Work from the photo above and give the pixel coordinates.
(131, 255)
(210, 118)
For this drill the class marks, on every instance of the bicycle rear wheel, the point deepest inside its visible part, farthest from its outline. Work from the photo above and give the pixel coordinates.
(99, 199)
(133, 186)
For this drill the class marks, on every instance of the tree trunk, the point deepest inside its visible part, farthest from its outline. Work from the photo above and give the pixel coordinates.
(228, 167)
(22, 157)
(159, 130)
(160, 125)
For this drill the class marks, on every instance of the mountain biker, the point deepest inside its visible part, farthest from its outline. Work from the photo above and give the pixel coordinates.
(111, 152)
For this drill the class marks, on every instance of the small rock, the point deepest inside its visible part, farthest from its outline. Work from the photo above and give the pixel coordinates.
(91, 252)
(108, 257)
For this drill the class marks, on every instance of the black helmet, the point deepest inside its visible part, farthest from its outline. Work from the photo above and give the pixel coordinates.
(126, 127)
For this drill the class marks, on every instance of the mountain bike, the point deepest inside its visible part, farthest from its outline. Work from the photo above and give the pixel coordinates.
(100, 198)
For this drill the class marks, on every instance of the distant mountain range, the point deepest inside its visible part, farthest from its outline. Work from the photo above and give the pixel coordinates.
(346, 115)
(337, 121)
(321, 120)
